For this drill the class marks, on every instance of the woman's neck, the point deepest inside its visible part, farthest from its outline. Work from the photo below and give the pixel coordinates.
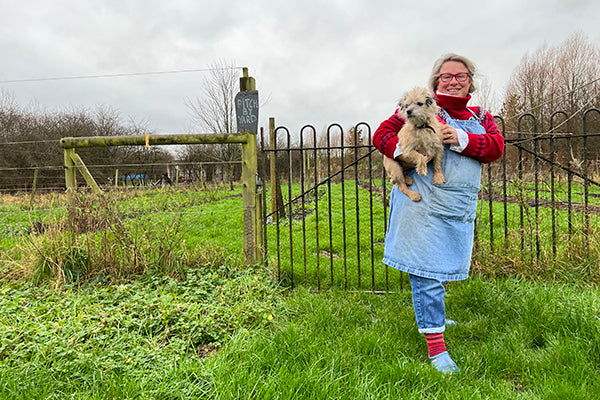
(450, 102)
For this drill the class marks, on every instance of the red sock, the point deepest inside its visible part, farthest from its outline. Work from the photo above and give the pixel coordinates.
(435, 344)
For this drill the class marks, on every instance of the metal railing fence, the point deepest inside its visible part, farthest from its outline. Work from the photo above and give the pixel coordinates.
(328, 214)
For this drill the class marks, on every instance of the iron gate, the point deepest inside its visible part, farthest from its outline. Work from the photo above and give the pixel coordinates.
(328, 196)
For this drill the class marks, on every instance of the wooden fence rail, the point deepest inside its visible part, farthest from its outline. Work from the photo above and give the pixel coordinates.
(252, 204)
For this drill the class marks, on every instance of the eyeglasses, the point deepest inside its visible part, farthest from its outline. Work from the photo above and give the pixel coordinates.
(460, 77)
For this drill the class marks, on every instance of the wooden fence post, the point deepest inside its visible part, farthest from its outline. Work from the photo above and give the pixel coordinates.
(70, 180)
(85, 172)
(252, 197)
(35, 176)
(252, 203)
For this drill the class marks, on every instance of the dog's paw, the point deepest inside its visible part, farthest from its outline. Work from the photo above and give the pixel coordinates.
(414, 196)
(439, 179)
(422, 169)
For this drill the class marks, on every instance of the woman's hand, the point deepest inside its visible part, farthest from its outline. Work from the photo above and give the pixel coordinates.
(449, 135)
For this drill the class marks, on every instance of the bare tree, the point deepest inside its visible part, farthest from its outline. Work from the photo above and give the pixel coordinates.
(578, 69)
(29, 141)
(485, 96)
(563, 78)
(214, 112)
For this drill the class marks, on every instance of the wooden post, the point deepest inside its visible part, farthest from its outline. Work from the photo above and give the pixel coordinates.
(252, 197)
(86, 173)
(247, 83)
(116, 178)
(70, 181)
(35, 176)
(251, 202)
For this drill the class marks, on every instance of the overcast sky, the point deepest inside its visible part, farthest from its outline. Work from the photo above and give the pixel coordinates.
(316, 61)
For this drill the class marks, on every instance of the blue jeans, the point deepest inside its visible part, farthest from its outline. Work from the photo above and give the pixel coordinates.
(428, 301)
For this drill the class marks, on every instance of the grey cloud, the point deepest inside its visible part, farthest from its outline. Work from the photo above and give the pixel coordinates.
(319, 61)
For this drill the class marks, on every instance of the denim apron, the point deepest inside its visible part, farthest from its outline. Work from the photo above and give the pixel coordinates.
(433, 238)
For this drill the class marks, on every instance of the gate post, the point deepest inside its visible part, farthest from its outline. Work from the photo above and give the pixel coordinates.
(247, 119)
(252, 204)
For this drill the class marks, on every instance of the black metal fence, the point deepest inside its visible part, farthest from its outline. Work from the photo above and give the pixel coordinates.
(326, 202)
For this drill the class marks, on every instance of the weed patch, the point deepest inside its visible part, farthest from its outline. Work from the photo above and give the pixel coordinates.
(119, 341)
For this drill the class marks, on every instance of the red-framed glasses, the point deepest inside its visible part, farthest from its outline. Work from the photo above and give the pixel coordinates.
(460, 77)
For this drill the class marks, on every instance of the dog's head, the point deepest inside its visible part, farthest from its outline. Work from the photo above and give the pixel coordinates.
(418, 106)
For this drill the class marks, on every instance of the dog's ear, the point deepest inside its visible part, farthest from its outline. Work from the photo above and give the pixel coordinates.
(429, 101)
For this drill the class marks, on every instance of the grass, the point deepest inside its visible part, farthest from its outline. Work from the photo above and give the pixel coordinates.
(128, 340)
(218, 329)
(118, 235)
(514, 340)
(340, 252)
(147, 340)
(346, 249)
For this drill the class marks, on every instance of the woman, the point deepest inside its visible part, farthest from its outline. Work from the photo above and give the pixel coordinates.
(432, 239)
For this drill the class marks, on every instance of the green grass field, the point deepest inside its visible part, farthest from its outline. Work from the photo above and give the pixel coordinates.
(191, 321)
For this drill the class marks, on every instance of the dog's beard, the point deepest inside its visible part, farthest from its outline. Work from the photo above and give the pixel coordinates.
(419, 119)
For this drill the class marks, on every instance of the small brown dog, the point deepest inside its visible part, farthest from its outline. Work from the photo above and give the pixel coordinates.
(419, 138)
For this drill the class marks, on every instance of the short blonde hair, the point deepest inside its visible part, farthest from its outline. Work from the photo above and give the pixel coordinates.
(437, 67)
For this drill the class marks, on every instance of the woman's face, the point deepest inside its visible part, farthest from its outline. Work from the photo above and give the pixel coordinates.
(453, 86)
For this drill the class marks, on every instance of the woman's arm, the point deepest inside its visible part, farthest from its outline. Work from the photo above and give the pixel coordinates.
(486, 147)
(385, 137)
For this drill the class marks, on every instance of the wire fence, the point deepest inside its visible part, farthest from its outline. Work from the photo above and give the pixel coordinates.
(124, 175)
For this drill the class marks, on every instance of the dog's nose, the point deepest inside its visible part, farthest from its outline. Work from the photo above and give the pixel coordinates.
(409, 111)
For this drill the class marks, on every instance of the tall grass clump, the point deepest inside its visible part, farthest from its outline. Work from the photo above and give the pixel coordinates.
(574, 258)
(56, 256)
(111, 237)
